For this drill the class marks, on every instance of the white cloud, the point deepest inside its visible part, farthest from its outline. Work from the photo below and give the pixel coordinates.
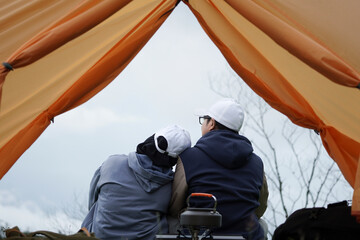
(84, 119)
(29, 216)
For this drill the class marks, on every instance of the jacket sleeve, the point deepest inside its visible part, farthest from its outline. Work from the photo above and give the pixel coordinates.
(178, 191)
(264, 194)
(94, 188)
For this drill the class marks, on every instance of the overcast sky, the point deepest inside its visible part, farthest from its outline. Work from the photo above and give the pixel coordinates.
(164, 84)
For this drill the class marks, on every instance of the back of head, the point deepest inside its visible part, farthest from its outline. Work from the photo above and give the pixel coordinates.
(228, 113)
(165, 145)
(178, 139)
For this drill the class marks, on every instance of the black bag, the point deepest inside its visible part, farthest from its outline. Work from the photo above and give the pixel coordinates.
(15, 234)
(333, 222)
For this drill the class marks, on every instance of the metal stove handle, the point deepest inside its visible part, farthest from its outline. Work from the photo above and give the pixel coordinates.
(202, 195)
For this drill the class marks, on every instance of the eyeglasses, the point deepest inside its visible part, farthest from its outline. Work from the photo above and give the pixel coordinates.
(202, 119)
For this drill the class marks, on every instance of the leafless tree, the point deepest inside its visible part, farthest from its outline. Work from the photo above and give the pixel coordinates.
(3, 227)
(299, 172)
(68, 219)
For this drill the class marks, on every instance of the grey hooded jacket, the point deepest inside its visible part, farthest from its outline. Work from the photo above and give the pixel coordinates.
(128, 198)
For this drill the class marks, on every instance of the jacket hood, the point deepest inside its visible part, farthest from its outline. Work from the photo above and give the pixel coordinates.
(150, 177)
(229, 149)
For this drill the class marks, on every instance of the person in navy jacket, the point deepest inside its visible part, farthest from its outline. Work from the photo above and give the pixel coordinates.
(223, 163)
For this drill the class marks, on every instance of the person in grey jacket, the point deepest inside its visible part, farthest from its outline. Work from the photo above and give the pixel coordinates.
(129, 194)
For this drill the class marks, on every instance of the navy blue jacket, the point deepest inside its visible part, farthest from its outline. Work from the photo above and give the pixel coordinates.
(223, 163)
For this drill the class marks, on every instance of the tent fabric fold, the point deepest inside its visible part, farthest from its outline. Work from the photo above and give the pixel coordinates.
(22, 20)
(302, 57)
(298, 43)
(82, 18)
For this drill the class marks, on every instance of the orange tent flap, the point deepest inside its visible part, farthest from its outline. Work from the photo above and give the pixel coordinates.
(71, 74)
(80, 19)
(296, 74)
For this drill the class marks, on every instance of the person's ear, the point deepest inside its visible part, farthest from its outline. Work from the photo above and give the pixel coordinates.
(211, 124)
